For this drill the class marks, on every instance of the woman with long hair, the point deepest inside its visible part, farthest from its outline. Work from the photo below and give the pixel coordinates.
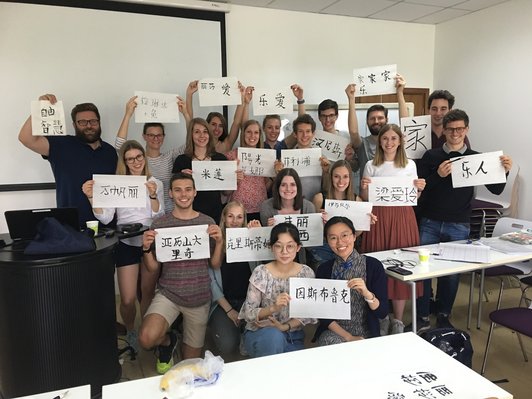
(397, 227)
(132, 161)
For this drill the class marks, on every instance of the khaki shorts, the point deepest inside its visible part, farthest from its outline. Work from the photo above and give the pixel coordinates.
(194, 319)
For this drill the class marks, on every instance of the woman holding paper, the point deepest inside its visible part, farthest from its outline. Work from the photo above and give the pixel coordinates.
(251, 190)
(229, 286)
(132, 161)
(397, 227)
(160, 162)
(224, 139)
(366, 281)
(200, 147)
(269, 328)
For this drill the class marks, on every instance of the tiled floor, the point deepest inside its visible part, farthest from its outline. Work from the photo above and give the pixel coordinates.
(505, 360)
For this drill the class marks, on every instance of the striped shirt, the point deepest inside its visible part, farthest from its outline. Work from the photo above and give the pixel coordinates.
(160, 168)
(187, 282)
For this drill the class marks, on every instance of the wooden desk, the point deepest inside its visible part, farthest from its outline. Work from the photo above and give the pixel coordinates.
(370, 368)
(441, 267)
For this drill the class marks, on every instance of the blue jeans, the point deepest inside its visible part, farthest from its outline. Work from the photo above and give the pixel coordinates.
(270, 341)
(432, 232)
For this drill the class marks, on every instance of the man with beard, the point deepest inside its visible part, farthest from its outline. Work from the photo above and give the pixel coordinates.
(74, 159)
(376, 118)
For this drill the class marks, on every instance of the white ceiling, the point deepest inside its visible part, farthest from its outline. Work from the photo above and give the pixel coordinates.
(419, 11)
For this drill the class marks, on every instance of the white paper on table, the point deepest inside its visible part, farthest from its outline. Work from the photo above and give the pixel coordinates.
(214, 175)
(268, 101)
(219, 91)
(174, 244)
(375, 80)
(257, 161)
(156, 107)
(464, 252)
(392, 191)
(248, 244)
(319, 298)
(119, 191)
(477, 170)
(417, 131)
(47, 119)
(305, 161)
(309, 225)
(357, 211)
(332, 145)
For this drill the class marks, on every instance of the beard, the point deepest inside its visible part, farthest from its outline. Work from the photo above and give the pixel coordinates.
(374, 129)
(88, 135)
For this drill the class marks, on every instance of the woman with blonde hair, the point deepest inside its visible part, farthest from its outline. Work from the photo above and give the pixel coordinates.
(397, 227)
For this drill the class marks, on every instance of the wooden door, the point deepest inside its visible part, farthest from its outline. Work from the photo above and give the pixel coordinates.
(417, 96)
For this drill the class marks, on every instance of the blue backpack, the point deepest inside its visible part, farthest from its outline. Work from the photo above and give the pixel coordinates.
(456, 343)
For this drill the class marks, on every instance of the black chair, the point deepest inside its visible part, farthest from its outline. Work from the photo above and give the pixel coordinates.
(516, 319)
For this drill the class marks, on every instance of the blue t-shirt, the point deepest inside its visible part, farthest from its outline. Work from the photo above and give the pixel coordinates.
(74, 162)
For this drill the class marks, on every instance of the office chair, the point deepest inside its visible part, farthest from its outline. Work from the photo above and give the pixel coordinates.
(526, 283)
(503, 225)
(516, 319)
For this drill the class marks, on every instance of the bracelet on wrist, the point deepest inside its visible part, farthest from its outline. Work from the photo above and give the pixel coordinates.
(146, 251)
(371, 300)
(153, 198)
(227, 312)
(302, 101)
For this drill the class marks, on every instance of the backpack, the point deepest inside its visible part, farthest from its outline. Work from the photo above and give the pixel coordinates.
(456, 343)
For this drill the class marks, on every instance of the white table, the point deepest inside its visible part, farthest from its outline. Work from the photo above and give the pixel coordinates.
(81, 392)
(369, 369)
(441, 267)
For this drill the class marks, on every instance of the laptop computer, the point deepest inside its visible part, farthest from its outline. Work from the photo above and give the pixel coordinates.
(22, 224)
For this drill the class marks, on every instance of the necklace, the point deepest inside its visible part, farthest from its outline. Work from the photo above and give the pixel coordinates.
(201, 159)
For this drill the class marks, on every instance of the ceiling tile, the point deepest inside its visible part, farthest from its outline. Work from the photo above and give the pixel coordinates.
(301, 5)
(475, 5)
(358, 8)
(438, 3)
(442, 16)
(405, 12)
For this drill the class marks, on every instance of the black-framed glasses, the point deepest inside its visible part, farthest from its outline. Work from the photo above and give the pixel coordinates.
(152, 136)
(138, 158)
(85, 122)
(459, 130)
(407, 264)
(328, 116)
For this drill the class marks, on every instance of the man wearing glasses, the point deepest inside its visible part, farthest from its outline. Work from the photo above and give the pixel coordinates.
(445, 211)
(74, 159)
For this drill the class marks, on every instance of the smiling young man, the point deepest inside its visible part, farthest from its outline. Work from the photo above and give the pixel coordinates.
(445, 211)
(184, 286)
(74, 159)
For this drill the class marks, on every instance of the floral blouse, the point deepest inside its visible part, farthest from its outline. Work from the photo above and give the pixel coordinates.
(263, 289)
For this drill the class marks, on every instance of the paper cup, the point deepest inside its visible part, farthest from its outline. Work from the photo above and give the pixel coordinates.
(93, 225)
(424, 255)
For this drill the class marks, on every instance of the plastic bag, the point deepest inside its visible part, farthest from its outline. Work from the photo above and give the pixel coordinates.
(181, 379)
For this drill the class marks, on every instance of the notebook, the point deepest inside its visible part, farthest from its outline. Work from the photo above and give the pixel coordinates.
(22, 224)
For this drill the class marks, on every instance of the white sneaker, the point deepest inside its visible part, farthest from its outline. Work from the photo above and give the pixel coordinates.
(397, 327)
(385, 325)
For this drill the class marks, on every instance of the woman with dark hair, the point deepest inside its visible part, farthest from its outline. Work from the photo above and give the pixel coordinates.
(287, 198)
(251, 191)
(128, 255)
(269, 328)
(397, 227)
(200, 147)
(367, 282)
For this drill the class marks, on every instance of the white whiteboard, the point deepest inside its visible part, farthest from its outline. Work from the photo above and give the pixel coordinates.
(99, 56)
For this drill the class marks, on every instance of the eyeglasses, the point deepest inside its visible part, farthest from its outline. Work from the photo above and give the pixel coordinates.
(343, 237)
(280, 247)
(408, 264)
(458, 130)
(328, 116)
(85, 122)
(154, 136)
(138, 158)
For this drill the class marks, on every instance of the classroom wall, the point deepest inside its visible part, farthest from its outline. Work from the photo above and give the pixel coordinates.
(268, 47)
(485, 60)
